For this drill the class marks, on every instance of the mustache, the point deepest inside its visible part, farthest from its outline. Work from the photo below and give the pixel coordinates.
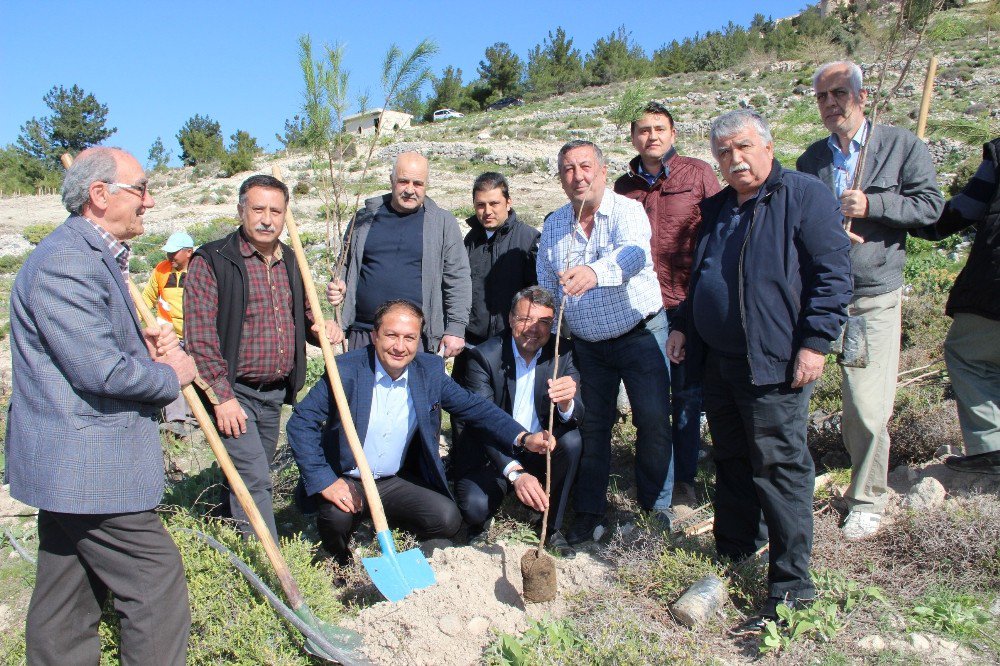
(738, 167)
(264, 227)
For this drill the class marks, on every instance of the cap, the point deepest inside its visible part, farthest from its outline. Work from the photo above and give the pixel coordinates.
(178, 241)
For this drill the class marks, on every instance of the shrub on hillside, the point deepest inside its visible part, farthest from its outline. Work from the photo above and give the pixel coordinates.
(213, 229)
(34, 233)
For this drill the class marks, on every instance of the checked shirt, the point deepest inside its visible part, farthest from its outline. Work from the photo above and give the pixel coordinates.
(627, 290)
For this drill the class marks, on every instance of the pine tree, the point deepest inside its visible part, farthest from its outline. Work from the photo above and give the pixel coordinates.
(78, 121)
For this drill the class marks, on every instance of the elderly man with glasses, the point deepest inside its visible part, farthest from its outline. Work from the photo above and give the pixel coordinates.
(82, 443)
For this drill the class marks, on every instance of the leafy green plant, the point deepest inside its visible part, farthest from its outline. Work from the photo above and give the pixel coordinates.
(836, 598)
(11, 263)
(546, 641)
(214, 229)
(950, 613)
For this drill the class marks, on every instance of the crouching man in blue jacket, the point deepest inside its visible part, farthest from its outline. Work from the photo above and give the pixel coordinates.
(769, 290)
(396, 395)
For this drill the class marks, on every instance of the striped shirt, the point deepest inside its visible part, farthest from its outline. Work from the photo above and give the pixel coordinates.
(119, 250)
(627, 289)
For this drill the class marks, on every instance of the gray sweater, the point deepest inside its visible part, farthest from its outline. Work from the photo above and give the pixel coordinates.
(899, 181)
(447, 287)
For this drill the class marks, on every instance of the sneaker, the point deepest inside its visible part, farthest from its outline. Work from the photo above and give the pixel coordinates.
(861, 525)
(981, 463)
(684, 496)
(586, 527)
(557, 544)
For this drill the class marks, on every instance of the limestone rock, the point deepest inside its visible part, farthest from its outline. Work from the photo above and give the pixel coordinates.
(927, 494)
(872, 643)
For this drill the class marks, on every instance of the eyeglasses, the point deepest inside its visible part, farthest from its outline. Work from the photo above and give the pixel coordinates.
(531, 321)
(139, 189)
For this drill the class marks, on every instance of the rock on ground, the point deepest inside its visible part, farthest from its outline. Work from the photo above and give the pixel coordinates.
(927, 494)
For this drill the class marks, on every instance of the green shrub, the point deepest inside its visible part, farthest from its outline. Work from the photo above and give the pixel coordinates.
(34, 233)
(11, 263)
(547, 641)
(947, 28)
(214, 229)
(301, 188)
(758, 101)
(952, 613)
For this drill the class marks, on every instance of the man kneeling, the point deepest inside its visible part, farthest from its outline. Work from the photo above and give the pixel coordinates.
(514, 370)
(396, 395)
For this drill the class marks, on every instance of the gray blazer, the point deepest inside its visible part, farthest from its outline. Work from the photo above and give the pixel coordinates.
(445, 278)
(81, 429)
(900, 183)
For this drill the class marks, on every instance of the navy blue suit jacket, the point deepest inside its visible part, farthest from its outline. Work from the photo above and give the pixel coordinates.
(320, 446)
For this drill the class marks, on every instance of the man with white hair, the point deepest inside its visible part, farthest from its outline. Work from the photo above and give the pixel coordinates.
(768, 294)
(403, 245)
(896, 192)
(82, 443)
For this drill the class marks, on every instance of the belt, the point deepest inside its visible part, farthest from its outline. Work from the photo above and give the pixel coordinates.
(264, 387)
(645, 320)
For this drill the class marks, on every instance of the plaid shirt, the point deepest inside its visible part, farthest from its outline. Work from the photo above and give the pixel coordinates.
(267, 341)
(119, 250)
(618, 252)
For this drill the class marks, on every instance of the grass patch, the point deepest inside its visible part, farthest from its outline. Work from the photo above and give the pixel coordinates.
(952, 613)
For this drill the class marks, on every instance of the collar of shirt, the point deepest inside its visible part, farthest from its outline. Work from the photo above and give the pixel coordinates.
(119, 250)
(383, 378)
(664, 170)
(845, 164)
(248, 250)
(853, 148)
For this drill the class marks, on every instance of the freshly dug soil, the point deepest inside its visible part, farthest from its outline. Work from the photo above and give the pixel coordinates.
(538, 575)
(476, 597)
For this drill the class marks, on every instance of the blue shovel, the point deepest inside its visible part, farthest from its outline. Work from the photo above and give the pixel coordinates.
(394, 574)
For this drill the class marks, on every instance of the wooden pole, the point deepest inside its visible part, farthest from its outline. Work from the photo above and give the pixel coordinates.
(925, 101)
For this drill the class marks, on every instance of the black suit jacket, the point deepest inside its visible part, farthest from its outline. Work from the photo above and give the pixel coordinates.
(492, 374)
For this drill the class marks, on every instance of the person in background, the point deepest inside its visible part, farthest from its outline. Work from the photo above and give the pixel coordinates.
(165, 292)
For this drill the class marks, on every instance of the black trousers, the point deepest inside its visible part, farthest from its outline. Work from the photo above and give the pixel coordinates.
(763, 470)
(481, 490)
(415, 508)
(83, 557)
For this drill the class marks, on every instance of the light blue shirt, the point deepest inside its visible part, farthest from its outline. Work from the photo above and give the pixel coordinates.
(391, 424)
(844, 165)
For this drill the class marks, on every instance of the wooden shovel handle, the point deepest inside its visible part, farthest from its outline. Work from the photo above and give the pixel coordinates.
(333, 374)
(239, 488)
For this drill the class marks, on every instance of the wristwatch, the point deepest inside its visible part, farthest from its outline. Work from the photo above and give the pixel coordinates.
(513, 474)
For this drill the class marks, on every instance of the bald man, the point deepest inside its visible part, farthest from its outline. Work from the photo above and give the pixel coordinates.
(404, 246)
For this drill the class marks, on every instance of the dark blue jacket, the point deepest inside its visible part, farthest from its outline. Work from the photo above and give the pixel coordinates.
(795, 275)
(320, 446)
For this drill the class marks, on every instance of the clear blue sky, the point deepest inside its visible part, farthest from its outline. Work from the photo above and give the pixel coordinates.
(156, 64)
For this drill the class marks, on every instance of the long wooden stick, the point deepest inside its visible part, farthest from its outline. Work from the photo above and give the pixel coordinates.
(925, 101)
(333, 374)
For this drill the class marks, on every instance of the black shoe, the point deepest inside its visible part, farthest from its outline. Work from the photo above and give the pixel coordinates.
(755, 624)
(585, 528)
(981, 463)
(557, 544)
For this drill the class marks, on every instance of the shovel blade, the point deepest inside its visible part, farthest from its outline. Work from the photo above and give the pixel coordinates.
(397, 574)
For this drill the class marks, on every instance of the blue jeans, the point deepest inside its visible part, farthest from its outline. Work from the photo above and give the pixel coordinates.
(637, 358)
(686, 407)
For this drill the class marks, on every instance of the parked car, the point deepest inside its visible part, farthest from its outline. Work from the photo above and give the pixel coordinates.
(504, 103)
(445, 114)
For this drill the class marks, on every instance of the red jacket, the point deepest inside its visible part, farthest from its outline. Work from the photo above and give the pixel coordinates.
(674, 216)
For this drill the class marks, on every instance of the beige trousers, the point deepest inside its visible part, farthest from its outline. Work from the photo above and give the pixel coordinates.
(868, 395)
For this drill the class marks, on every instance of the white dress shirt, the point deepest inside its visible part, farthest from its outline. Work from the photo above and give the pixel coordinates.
(391, 424)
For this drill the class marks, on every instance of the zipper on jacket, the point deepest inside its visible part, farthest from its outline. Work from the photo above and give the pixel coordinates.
(743, 312)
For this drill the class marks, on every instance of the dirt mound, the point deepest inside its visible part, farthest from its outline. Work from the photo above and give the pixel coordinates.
(477, 595)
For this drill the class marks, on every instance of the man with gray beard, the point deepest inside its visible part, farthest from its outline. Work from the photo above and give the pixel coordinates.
(768, 293)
